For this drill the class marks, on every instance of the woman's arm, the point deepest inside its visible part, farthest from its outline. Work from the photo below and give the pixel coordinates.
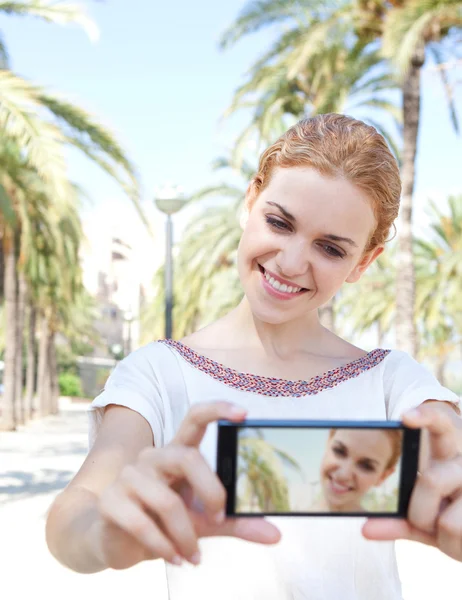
(74, 515)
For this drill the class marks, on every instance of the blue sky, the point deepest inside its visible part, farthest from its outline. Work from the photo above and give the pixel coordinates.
(157, 77)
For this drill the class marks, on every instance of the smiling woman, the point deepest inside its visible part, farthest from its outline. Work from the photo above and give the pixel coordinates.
(319, 211)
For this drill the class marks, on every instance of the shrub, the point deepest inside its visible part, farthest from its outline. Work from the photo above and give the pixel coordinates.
(69, 385)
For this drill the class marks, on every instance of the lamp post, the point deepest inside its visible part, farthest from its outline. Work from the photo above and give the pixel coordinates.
(169, 200)
(128, 318)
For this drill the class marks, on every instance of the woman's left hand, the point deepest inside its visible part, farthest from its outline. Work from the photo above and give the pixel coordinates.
(435, 510)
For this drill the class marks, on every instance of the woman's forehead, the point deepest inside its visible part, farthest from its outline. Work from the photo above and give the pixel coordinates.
(313, 198)
(365, 442)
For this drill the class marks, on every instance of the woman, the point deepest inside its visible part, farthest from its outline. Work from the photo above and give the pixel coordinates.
(318, 213)
(356, 460)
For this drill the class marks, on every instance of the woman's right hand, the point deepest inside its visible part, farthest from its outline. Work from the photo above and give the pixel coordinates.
(147, 512)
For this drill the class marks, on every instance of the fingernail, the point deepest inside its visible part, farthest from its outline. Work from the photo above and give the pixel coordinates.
(238, 411)
(414, 412)
(177, 561)
(195, 559)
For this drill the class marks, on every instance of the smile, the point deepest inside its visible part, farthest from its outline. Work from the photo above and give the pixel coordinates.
(338, 488)
(283, 288)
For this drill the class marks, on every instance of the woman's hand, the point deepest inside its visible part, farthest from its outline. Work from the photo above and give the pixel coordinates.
(435, 510)
(147, 512)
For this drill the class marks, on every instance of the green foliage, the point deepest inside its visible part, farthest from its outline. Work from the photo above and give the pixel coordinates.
(69, 385)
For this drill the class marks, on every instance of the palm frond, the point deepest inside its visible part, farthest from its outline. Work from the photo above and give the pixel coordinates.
(261, 13)
(52, 11)
(23, 125)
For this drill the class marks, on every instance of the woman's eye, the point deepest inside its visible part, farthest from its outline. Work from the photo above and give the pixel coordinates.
(277, 223)
(367, 467)
(339, 451)
(332, 251)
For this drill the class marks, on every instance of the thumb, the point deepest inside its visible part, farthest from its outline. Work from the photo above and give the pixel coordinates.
(194, 425)
(395, 529)
(250, 529)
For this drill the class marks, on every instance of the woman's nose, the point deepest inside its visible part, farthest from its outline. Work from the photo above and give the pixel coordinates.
(293, 259)
(344, 473)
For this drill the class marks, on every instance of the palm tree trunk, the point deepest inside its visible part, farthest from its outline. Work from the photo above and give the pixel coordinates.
(406, 333)
(20, 318)
(380, 335)
(30, 404)
(8, 408)
(441, 369)
(43, 387)
(54, 386)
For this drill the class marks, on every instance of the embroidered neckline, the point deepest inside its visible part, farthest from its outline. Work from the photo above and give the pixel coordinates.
(270, 386)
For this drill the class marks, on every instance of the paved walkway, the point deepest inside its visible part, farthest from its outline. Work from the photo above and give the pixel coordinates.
(37, 461)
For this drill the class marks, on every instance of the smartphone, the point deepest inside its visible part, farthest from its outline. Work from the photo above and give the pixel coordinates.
(322, 468)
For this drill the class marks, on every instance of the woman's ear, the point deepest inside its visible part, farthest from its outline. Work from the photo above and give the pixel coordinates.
(364, 263)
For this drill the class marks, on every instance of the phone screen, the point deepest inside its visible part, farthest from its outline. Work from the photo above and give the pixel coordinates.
(319, 470)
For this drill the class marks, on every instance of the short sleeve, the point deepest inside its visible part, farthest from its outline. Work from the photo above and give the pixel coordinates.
(407, 384)
(134, 384)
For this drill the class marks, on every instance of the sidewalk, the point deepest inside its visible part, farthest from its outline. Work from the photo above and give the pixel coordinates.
(39, 460)
(35, 463)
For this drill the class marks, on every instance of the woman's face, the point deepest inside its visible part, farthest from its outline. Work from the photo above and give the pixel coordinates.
(354, 461)
(304, 237)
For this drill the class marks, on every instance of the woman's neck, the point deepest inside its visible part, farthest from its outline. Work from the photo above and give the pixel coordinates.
(279, 340)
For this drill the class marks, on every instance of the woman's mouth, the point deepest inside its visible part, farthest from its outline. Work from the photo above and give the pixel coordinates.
(338, 488)
(279, 288)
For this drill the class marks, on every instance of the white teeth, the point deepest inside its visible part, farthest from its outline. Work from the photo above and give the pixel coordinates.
(282, 287)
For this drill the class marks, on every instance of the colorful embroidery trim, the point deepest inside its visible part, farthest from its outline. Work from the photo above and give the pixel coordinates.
(269, 386)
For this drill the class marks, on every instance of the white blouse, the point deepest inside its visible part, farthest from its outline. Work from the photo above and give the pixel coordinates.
(318, 558)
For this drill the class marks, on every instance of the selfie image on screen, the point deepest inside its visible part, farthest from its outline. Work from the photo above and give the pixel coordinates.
(281, 469)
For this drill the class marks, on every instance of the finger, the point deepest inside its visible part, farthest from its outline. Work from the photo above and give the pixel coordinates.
(130, 517)
(435, 485)
(441, 429)
(167, 506)
(189, 464)
(256, 530)
(395, 529)
(195, 423)
(450, 530)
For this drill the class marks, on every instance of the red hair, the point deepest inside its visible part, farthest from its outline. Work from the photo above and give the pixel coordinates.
(339, 146)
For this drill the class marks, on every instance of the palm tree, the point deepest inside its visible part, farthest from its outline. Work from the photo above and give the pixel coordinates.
(206, 282)
(36, 128)
(412, 31)
(438, 260)
(294, 79)
(260, 470)
(439, 288)
(371, 301)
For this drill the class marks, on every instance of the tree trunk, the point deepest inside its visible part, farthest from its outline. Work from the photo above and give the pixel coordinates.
(406, 332)
(43, 381)
(441, 370)
(54, 386)
(327, 315)
(20, 318)
(8, 406)
(30, 403)
(380, 335)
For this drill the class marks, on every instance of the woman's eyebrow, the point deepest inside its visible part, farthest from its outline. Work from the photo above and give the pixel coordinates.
(330, 236)
(338, 238)
(284, 211)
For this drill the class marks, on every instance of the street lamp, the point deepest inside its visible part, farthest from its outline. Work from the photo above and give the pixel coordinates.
(169, 200)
